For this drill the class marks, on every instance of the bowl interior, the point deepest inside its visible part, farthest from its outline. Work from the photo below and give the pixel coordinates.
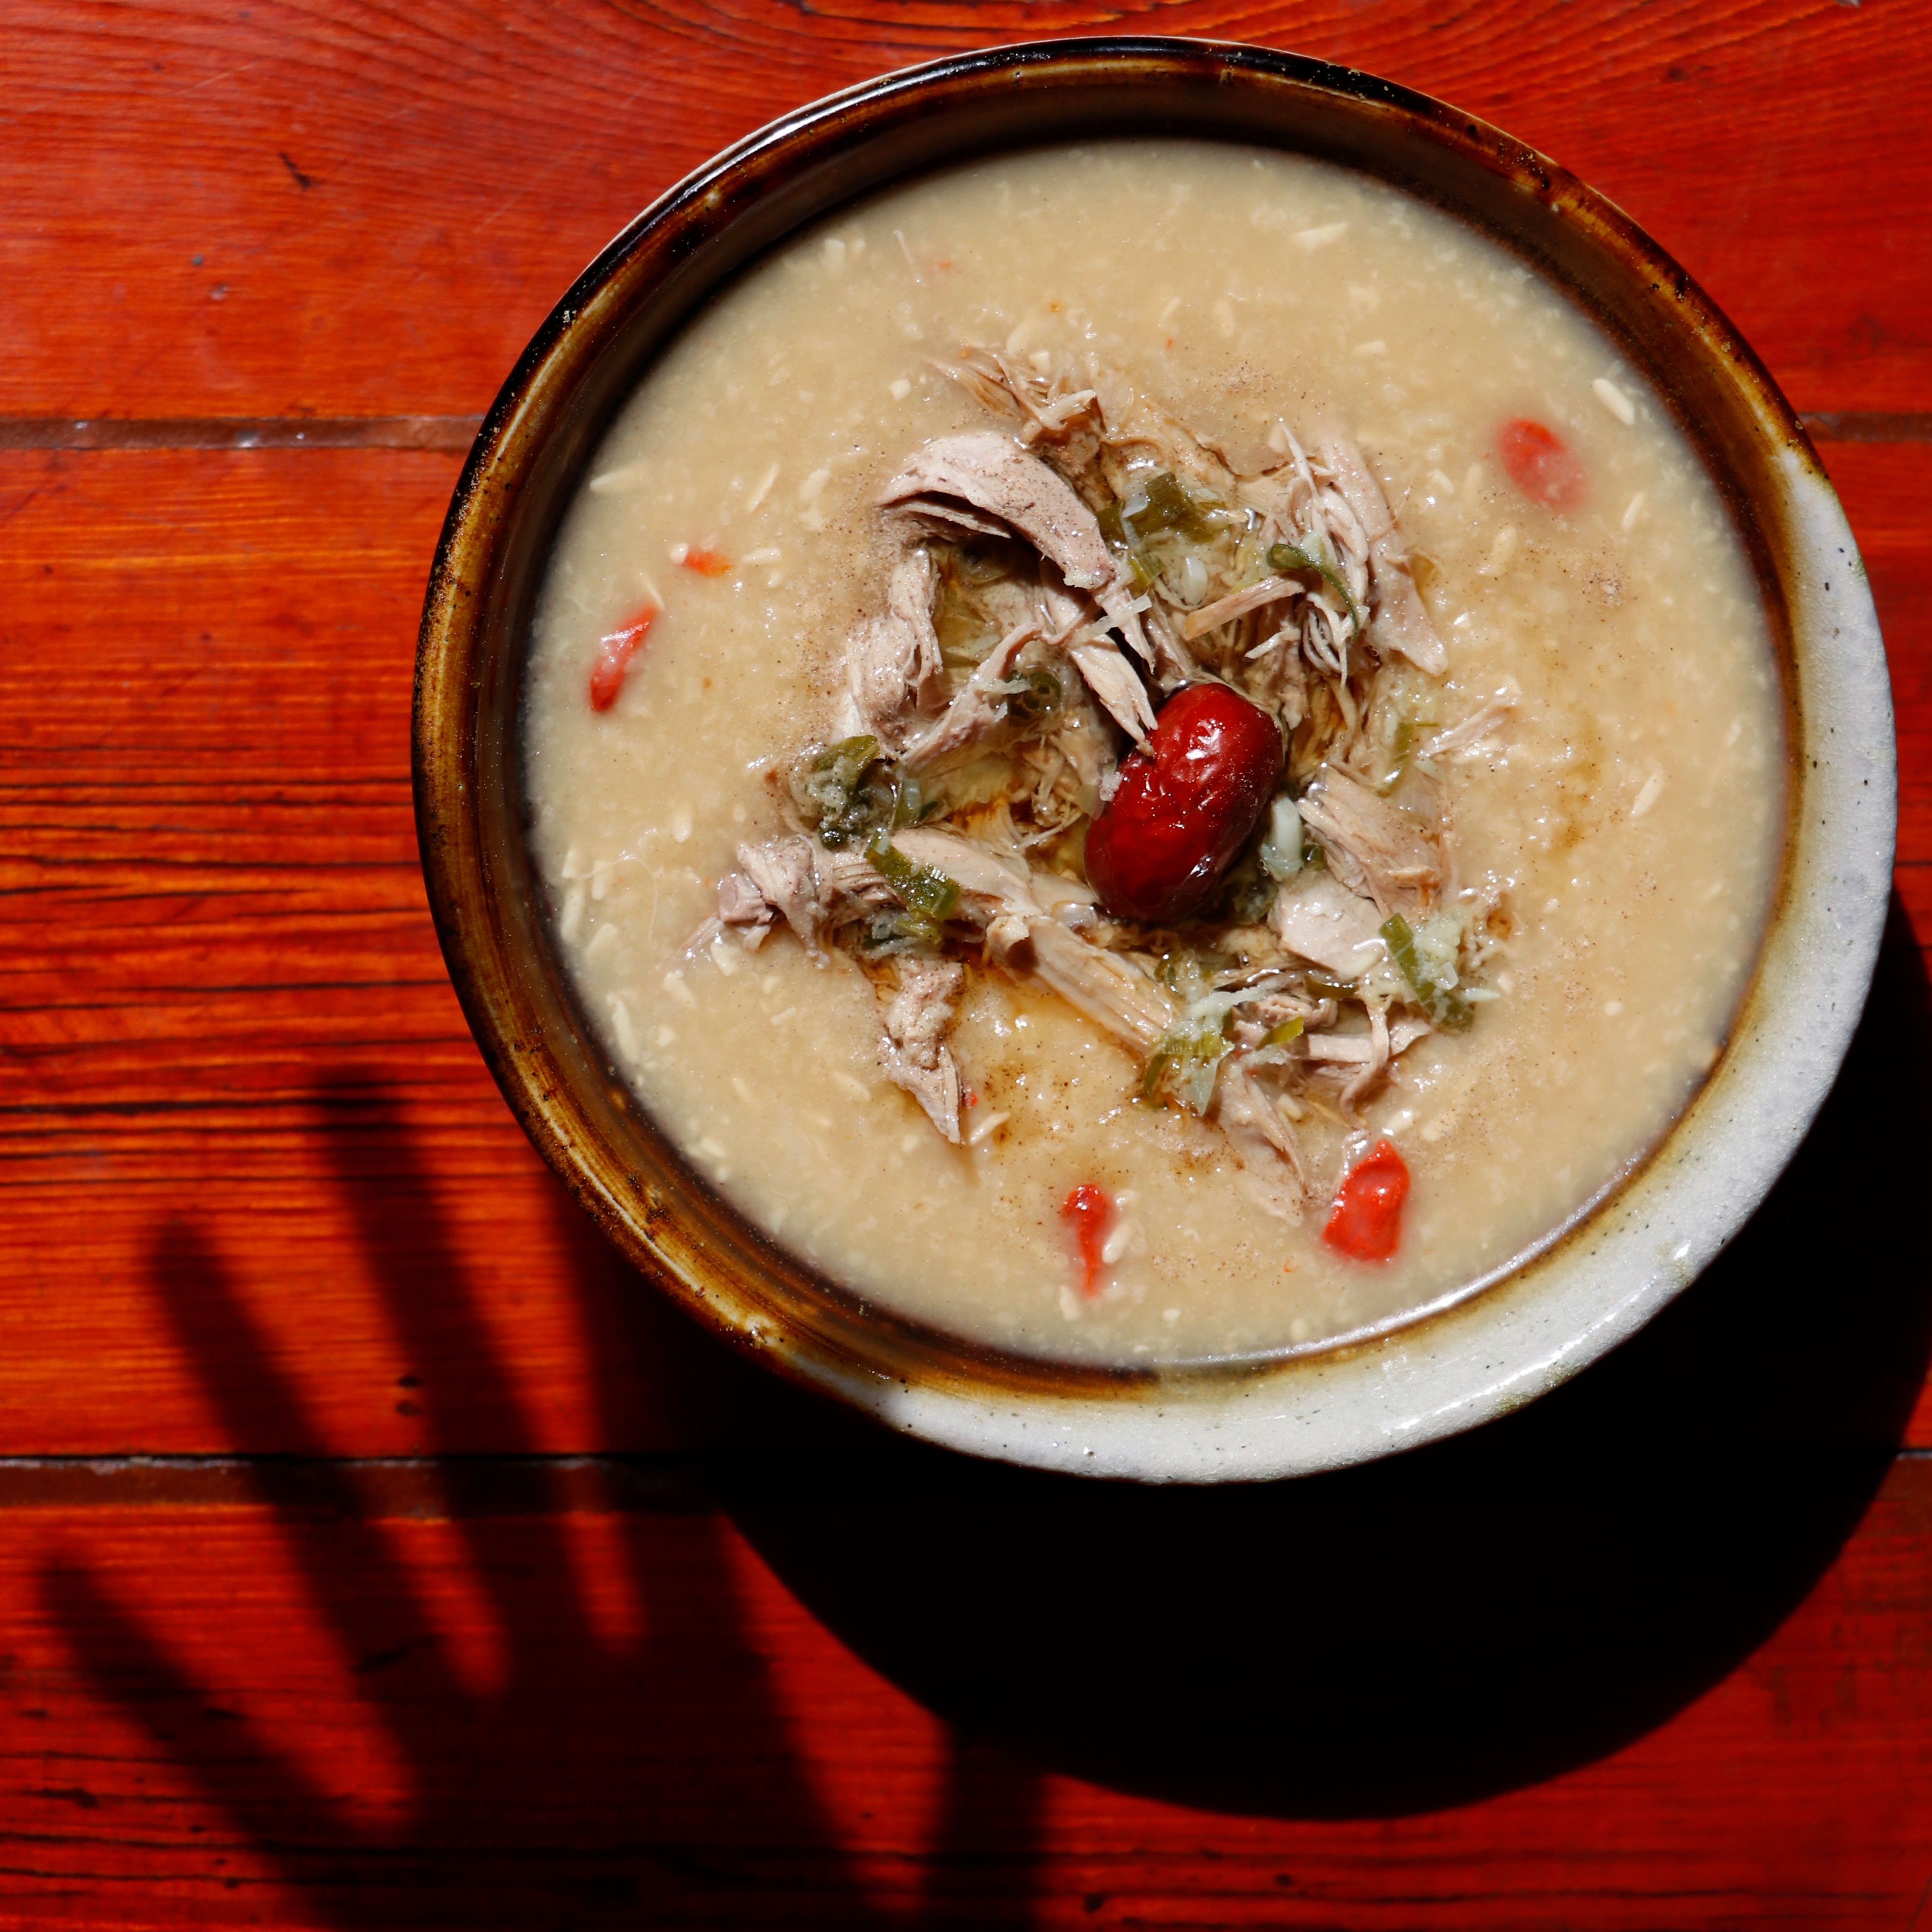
(527, 463)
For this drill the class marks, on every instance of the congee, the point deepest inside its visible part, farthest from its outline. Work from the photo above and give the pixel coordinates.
(1153, 751)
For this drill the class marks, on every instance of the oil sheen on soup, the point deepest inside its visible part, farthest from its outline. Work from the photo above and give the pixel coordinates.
(1151, 751)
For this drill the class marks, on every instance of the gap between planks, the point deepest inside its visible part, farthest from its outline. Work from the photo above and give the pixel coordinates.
(365, 1487)
(438, 1488)
(457, 433)
(453, 433)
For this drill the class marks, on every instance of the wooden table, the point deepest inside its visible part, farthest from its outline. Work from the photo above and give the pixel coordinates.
(378, 1553)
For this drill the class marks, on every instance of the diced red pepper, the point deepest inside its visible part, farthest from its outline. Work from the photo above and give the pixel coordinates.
(1090, 1213)
(1542, 465)
(706, 562)
(613, 657)
(1366, 1222)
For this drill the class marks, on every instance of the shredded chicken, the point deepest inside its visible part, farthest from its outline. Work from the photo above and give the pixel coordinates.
(784, 875)
(1099, 984)
(1112, 680)
(1000, 897)
(1322, 921)
(913, 1053)
(848, 881)
(980, 707)
(1092, 554)
(741, 905)
(993, 474)
(1373, 847)
(893, 668)
(1473, 729)
(1174, 665)
(948, 521)
(1226, 609)
(1047, 408)
(1401, 618)
(798, 881)
(1370, 1075)
(989, 882)
(1405, 1032)
(1248, 1116)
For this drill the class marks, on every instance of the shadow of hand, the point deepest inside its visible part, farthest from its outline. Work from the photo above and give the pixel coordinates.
(591, 1780)
(1420, 1632)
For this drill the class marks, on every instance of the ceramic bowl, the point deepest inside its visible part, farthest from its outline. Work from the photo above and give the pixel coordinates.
(1594, 1281)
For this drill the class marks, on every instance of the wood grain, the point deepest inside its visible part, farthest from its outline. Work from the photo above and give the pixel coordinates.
(236, 1716)
(1883, 488)
(349, 209)
(374, 1550)
(234, 1075)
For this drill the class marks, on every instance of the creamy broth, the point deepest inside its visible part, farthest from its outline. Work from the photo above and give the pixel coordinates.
(1630, 800)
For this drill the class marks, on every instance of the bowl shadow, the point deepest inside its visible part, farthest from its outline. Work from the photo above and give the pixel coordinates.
(1449, 1624)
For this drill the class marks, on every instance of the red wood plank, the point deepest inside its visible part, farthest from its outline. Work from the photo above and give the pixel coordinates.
(228, 1716)
(232, 1069)
(350, 210)
(241, 1119)
(257, 1192)
(1884, 489)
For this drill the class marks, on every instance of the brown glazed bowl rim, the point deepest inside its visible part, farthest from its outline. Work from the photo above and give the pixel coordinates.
(1495, 1343)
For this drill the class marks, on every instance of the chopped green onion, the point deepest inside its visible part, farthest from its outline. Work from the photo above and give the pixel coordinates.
(1288, 1030)
(911, 802)
(1446, 1007)
(922, 889)
(829, 785)
(1195, 1071)
(895, 931)
(1171, 507)
(1197, 1088)
(1292, 556)
(846, 792)
(1190, 1052)
(1187, 969)
(1404, 743)
(830, 774)
(1032, 694)
(1143, 573)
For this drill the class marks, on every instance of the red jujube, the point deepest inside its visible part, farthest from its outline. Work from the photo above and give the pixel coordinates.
(1184, 806)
